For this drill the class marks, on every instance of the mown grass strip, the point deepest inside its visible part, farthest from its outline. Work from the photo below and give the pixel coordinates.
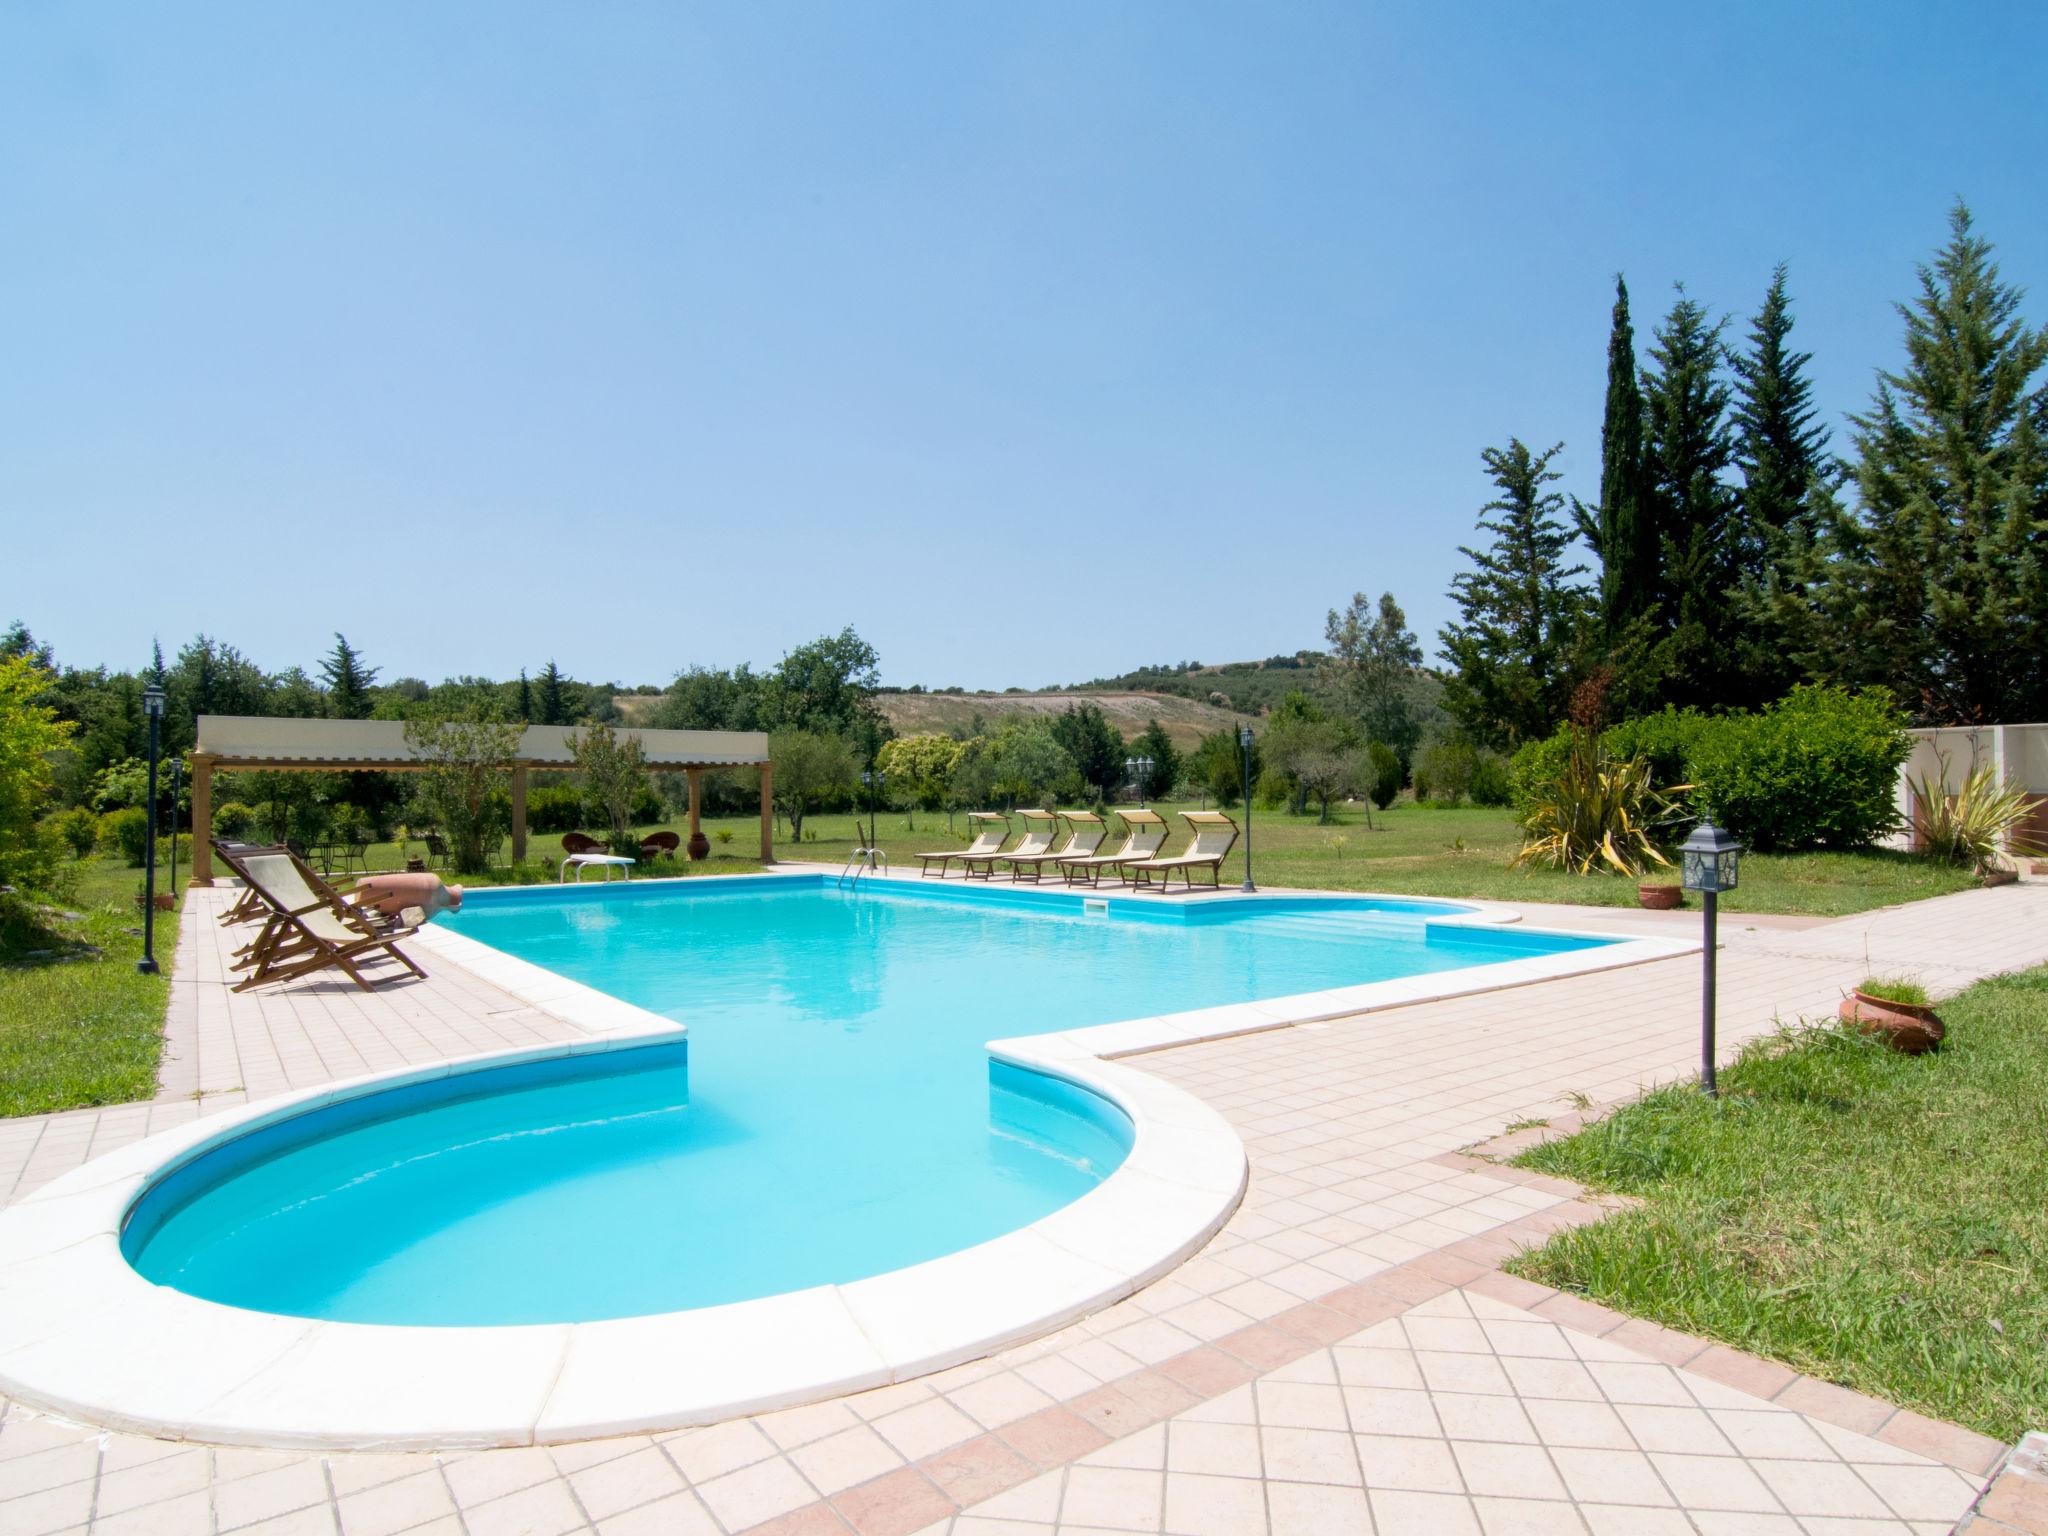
(1865, 1217)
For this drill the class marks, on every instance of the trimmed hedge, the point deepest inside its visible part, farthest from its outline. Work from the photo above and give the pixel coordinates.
(1817, 769)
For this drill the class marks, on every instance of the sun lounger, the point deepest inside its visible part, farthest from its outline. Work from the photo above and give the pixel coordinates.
(1040, 828)
(310, 927)
(1085, 831)
(248, 906)
(1214, 835)
(1144, 831)
(991, 830)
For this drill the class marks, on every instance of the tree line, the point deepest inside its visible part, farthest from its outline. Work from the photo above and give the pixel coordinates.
(1735, 555)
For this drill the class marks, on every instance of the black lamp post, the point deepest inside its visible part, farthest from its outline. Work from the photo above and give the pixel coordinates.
(1137, 768)
(1244, 740)
(1710, 859)
(153, 706)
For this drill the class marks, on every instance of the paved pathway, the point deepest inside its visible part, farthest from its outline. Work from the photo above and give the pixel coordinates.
(1258, 1388)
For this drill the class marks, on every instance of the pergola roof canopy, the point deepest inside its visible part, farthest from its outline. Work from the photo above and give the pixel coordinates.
(264, 741)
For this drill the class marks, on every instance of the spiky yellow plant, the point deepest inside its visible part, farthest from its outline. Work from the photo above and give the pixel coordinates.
(1599, 812)
(1978, 825)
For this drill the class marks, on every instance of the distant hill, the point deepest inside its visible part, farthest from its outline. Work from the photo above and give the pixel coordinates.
(1183, 719)
(1249, 687)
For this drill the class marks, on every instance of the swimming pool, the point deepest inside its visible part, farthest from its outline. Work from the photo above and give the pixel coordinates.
(834, 1115)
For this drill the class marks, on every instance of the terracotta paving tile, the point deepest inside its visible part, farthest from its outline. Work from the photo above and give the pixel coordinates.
(1315, 1323)
(1746, 1373)
(811, 1520)
(1262, 1346)
(895, 1505)
(1659, 1343)
(978, 1470)
(1052, 1437)
(1207, 1372)
(1949, 1443)
(1838, 1405)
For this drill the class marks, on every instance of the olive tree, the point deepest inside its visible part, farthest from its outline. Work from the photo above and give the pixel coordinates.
(810, 767)
(611, 769)
(465, 782)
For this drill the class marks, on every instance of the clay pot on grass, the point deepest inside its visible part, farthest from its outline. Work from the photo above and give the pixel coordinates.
(2000, 876)
(1659, 897)
(1907, 1027)
(699, 847)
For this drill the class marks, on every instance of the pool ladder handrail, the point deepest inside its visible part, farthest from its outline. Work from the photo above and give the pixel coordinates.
(860, 861)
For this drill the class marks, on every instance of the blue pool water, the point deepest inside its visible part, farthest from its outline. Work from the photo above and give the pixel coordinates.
(832, 1115)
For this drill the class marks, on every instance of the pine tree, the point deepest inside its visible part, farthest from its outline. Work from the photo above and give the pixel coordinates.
(1619, 529)
(554, 707)
(1788, 478)
(348, 682)
(524, 700)
(1520, 610)
(1939, 582)
(1688, 450)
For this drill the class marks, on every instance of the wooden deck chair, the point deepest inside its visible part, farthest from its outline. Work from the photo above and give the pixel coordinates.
(1040, 828)
(991, 830)
(248, 906)
(1215, 833)
(1144, 831)
(1085, 832)
(310, 930)
(232, 856)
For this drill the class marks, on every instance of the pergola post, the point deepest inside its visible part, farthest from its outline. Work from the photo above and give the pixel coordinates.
(767, 813)
(202, 820)
(519, 814)
(696, 777)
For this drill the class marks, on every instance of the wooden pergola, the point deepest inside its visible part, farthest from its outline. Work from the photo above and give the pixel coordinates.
(259, 743)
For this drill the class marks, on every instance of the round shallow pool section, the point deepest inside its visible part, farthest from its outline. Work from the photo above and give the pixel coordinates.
(589, 1187)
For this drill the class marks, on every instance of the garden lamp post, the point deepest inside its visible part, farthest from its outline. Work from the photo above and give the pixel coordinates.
(153, 706)
(1244, 741)
(1709, 861)
(1137, 768)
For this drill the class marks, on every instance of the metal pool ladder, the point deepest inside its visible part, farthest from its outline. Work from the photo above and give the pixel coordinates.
(860, 862)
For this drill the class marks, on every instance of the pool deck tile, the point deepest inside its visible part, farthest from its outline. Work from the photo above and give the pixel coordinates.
(1354, 1283)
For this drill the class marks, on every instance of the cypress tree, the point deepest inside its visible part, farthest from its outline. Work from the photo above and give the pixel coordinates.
(524, 700)
(1520, 610)
(1939, 582)
(1617, 528)
(1788, 479)
(1687, 452)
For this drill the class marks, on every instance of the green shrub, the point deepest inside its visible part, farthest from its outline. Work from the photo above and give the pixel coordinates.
(1817, 769)
(233, 819)
(1535, 767)
(1444, 769)
(1664, 740)
(556, 810)
(125, 832)
(1490, 783)
(1386, 784)
(78, 829)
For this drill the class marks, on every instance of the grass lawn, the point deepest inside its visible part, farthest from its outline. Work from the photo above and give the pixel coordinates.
(1421, 851)
(78, 1028)
(1866, 1217)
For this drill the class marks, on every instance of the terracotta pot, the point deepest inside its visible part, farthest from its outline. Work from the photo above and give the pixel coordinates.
(1660, 898)
(1906, 1027)
(699, 846)
(165, 900)
(2000, 876)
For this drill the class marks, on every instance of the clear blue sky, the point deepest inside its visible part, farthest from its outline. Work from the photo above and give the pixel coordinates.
(1035, 341)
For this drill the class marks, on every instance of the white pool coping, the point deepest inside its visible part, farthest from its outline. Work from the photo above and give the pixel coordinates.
(83, 1334)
